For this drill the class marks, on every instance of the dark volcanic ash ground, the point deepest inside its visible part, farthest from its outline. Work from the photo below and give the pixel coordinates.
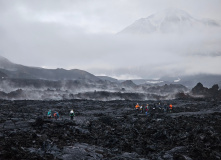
(110, 130)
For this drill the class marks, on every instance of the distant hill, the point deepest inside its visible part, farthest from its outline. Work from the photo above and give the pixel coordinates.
(128, 83)
(82, 78)
(108, 78)
(208, 80)
(23, 82)
(190, 81)
(20, 71)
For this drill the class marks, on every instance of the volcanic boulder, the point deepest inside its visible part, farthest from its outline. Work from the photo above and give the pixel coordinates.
(213, 92)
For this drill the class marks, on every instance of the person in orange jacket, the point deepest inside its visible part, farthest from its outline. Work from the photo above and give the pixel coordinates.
(137, 107)
(170, 107)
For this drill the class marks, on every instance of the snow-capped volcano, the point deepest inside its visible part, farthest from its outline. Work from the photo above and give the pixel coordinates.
(167, 21)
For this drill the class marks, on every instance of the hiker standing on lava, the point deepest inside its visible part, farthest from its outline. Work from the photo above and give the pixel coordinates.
(171, 107)
(153, 108)
(137, 107)
(165, 107)
(159, 107)
(56, 115)
(141, 109)
(49, 114)
(72, 114)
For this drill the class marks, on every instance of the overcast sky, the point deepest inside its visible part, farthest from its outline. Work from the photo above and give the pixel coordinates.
(82, 34)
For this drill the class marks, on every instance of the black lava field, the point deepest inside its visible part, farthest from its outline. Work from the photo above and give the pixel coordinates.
(110, 130)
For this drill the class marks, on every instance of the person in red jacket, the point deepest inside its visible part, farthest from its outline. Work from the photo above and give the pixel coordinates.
(56, 115)
(170, 107)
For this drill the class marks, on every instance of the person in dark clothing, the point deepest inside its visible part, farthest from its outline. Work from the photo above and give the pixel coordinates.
(159, 107)
(165, 108)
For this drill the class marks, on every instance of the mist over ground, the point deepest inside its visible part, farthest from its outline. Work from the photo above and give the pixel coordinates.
(35, 89)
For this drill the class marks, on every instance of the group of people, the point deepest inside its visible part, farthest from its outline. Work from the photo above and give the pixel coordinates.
(139, 108)
(56, 115)
(154, 108)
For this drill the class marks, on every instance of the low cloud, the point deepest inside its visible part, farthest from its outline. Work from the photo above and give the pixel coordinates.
(113, 55)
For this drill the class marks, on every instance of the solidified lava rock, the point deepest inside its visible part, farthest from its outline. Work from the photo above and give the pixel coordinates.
(172, 88)
(182, 95)
(38, 122)
(199, 89)
(110, 130)
(212, 92)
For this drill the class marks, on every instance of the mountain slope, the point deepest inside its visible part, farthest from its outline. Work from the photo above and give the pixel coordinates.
(20, 71)
(2, 75)
(167, 21)
(6, 64)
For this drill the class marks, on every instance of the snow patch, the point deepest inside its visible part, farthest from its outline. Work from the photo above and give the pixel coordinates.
(154, 82)
(177, 80)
